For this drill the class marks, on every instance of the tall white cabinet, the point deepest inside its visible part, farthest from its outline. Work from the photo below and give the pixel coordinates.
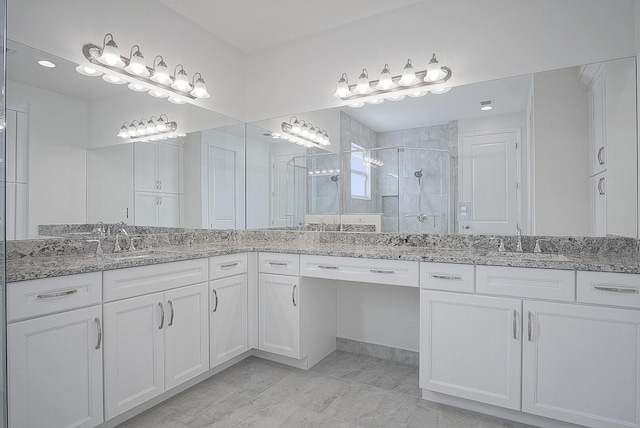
(157, 184)
(17, 169)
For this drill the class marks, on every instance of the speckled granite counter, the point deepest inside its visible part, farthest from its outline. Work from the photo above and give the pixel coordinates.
(57, 257)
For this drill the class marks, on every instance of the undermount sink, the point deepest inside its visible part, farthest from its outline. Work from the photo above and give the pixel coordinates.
(529, 256)
(133, 255)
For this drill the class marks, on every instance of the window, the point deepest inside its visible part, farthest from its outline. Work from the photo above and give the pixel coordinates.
(360, 174)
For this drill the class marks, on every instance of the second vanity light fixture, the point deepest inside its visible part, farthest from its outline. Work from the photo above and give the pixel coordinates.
(152, 129)
(388, 87)
(133, 70)
(304, 133)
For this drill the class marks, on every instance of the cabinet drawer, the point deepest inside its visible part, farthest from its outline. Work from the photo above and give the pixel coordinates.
(229, 265)
(136, 281)
(26, 299)
(606, 288)
(447, 277)
(526, 282)
(278, 263)
(376, 271)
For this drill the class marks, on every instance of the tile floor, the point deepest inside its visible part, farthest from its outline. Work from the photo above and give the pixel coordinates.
(344, 390)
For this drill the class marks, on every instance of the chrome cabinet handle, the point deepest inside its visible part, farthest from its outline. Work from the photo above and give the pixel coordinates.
(293, 295)
(229, 265)
(99, 326)
(215, 294)
(515, 324)
(529, 327)
(170, 319)
(57, 294)
(159, 184)
(600, 158)
(600, 188)
(382, 271)
(627, 290)
(278, 263)
(447, 277)
(161, 316)
(328, 267)
(160, 199)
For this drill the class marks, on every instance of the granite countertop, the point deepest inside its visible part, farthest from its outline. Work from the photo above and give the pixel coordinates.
(29, 267)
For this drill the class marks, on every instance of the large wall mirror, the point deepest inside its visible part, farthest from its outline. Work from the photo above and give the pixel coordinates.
(552, 153)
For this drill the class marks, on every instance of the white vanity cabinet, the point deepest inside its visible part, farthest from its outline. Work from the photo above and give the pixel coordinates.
(581, 364)
(55, 357)
(228, 305)
(470, 347)
(154, 342)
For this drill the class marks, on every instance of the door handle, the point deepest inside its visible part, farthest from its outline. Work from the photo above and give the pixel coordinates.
(515, 324)
(530, 327)
(99, 327)
(161, 316)
(215, 294)
(170, 319)
(293, 295)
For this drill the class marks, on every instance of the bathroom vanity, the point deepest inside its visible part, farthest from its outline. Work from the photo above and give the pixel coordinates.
(533, 338)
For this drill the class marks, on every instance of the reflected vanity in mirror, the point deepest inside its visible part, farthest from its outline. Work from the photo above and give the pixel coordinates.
(553, 153)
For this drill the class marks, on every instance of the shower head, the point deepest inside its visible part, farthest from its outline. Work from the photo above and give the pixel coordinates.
(418, 174)
(335, 178)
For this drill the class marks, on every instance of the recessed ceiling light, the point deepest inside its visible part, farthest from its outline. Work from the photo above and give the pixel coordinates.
(486, 105)
(46, 63)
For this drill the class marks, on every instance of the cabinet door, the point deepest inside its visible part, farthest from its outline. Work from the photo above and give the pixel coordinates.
(146, 209)
(581, 364)
(228, 318)
(279, 314)
(133, 352)
(470, 347)
(599, 204)
(186, 333)
(145, 167)
(597, 104)
(168, 168)
(168, 210)
(55, 377)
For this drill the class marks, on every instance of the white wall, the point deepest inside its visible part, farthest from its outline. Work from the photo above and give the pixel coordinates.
(561, 154)
(62, 27)
(193, 181)
(58, 133)
(258, 184)
(479, 39)
(380, 314)
(110, 184)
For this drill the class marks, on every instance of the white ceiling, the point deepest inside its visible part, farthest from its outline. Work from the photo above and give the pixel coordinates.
(252, 25)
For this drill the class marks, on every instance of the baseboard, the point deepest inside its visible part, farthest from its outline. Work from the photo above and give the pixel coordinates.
(378, 351)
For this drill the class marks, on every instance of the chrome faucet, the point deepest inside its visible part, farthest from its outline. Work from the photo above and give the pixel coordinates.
(501, 248)
(519, 242)
(99, 251)
(99, 229)
(116, 245)
(121, 225)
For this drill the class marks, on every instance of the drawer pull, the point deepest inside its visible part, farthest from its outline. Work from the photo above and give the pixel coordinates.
(229, 265)
(382, 271)
(170, 319)
(328, 267)
(215, 294)
(57, 294)
(446, 277)
(161, 316)
(529, 327)
(99, 326)
(617, 289)
(293, 295)
(278, 263)
(515, 324)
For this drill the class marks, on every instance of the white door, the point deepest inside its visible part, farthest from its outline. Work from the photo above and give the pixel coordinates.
(222, 188)
(133, 352)
(186, 333)
(470, 347)
(168, 168)
(228, 318)
(145, 209)
(280, 215)
(279, 315)
(488, 179)
(55, 377)
(581, 364)
(145, 167)
(168, 210)
(598, 184)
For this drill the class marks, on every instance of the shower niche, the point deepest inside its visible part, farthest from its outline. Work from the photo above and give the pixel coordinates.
(390, 189)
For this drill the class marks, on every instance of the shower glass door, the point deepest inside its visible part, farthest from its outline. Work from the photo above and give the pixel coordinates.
(3, 252)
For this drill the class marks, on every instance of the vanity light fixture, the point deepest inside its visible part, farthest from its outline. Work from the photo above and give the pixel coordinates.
(486, 105)
(152, 129)
(106, 61)
(394, 88)
(373, 161)
(305, 134)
